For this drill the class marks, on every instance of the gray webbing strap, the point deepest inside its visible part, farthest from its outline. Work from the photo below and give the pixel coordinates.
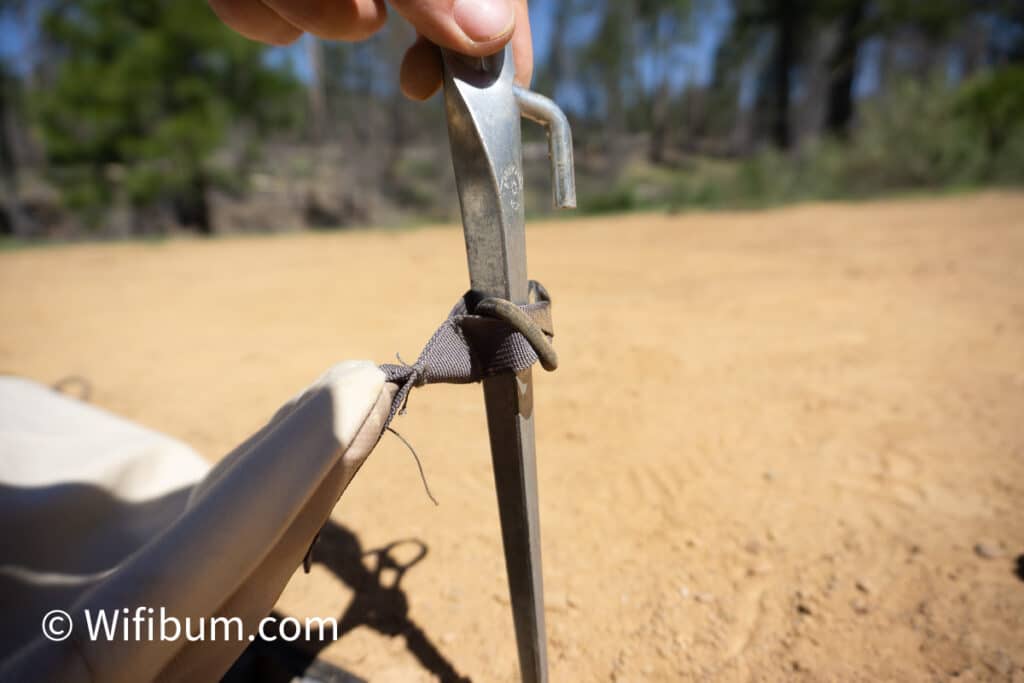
(469, 347)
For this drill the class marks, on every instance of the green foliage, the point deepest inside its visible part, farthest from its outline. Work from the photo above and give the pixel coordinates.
(934, 18)
(913, 139)
(621, 199)
(143, 95)
(992, 105)
(919, 136)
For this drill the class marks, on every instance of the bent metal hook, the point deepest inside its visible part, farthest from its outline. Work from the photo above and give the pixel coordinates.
(484, 108)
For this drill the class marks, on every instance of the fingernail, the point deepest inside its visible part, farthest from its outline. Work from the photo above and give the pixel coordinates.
(484, 20)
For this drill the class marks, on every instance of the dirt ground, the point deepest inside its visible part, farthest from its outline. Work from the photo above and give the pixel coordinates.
(782, 445)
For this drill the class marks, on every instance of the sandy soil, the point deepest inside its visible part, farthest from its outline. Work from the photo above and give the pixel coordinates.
(781, 445)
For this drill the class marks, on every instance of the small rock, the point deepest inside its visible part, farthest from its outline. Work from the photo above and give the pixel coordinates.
(988, 549)
(860, 605)
(703, 598)
(802, 608)
(448, 638)
(760, 569)
(684, 592)
(863, 585)
(753, 547)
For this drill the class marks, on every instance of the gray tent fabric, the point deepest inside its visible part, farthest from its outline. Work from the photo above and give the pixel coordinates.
(468, 348)
(101, 514)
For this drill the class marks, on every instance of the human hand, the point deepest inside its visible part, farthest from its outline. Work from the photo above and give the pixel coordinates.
(472, 27)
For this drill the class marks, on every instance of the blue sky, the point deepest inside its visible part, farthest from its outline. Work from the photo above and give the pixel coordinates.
(14, 39)
(696, 60)
(693, 61)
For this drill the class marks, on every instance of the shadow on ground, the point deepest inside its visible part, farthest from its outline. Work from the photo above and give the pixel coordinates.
(379, 604)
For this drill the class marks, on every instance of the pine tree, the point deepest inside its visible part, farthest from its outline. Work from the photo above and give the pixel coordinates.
(143, 94)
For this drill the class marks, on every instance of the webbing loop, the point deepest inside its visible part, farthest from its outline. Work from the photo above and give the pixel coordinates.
(482, 337)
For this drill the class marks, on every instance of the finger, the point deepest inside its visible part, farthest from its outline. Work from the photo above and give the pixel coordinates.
(333, 19)
(522, 45)
(421, 72)
(471, 27)
(255, 20)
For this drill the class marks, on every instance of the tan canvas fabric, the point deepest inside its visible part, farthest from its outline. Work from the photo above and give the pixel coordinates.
(100, 513)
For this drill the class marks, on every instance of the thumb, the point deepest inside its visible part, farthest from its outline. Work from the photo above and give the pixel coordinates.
(471, 27)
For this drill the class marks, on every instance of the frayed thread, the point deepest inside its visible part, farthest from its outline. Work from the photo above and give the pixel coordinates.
(419, 465)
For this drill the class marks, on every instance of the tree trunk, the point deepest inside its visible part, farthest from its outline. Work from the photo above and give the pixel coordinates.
(315, 90)
(785, 58)
(557, 65)
(660, 34)
(193, 207)
(15, 218)
(397, 135)
(617, 75)
(204, 221)
(659, 125)
(843, 70)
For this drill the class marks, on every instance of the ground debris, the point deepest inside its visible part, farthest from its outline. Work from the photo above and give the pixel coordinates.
(989, 549)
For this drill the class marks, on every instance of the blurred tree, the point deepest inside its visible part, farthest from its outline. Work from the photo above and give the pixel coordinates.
(993, 104)
(611, 58)
(1008, 44)
(556, 69)
(792, 24)
(315, 89)
(143, 95)
(734, 56)
(150, 105)
(12, 218)
(661, 25)
(373, 123)
(789, 22)
(632, 61)
(842, 64)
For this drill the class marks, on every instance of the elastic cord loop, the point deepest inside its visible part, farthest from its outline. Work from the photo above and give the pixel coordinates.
(521, 323)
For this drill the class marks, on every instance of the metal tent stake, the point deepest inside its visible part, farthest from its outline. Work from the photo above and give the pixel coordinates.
(484, 108)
